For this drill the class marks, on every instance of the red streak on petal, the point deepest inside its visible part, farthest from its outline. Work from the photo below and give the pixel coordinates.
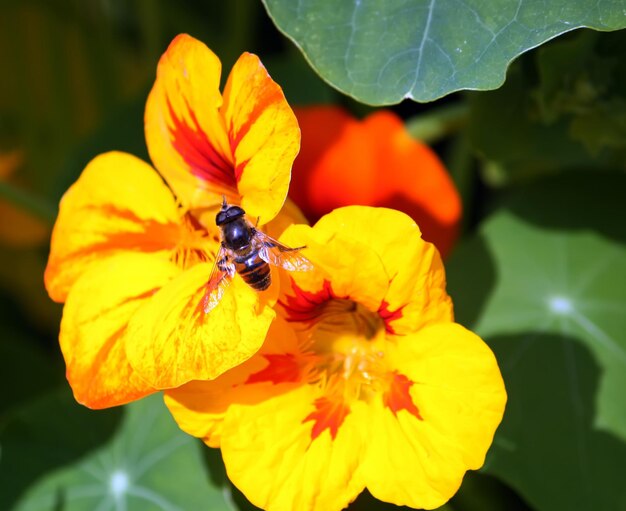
(240, 168)
(306, 305)
(388, 316)
(204, 159)
(398, 397)
(152, 236)
(329, 414)
(282, 368)
(261, 105)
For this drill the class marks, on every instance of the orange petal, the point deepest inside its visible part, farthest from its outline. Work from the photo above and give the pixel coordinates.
(324, 130)
(374, 256)
(241, 145)
(264, 134)
(119, 204)
(420, 185)
(374, 162)
(451, 379)
(94, 326)
(174, 341)
(185, 132)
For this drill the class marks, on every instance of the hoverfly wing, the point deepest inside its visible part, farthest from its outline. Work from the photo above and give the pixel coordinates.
(274, 252)
(222, 273)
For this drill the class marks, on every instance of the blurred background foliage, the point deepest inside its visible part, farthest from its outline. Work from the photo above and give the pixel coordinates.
(539, 273)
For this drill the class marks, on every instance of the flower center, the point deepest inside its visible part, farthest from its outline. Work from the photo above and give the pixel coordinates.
(347, 343)
(196, 243)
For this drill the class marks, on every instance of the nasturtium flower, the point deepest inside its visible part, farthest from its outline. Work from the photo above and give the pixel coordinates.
(364, 380)
(131, 254)
(373, 162)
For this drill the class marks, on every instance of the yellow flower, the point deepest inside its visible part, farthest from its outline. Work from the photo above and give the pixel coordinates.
(364, 381)
(130, 256)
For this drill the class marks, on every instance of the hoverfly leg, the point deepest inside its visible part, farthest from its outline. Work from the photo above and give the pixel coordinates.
(222, 264)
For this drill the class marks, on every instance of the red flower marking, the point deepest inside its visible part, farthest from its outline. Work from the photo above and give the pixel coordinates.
(282, 368)
(398, 397)
(305, 305)
(193, 145)
(388, 316)
(329, 415)
(267, 96)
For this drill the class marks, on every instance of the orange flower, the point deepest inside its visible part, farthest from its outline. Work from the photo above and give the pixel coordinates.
(364, 381)
(374, 162)
(131, 259)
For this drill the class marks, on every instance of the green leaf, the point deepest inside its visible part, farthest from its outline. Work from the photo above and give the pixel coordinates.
(563, 107)
(544, 283)
(148, 465)
(43, 436)
(583, 80)
(380, 52)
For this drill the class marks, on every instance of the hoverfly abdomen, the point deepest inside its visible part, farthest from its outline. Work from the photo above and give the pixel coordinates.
(254, 271)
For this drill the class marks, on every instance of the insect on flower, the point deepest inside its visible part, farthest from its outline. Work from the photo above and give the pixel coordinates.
(249, 252)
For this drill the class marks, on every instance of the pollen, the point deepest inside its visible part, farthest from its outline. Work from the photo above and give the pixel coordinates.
(196, 244)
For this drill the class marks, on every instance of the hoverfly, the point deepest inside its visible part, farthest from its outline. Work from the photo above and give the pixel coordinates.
(249, 252)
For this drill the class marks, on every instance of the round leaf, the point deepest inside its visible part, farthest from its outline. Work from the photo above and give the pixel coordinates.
(149, 464)
(380, 52)
(544, 282)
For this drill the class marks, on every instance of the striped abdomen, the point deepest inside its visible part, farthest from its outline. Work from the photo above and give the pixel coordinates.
(254, 271)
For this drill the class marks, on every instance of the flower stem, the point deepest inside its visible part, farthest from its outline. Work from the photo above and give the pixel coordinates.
(25, 200)
(438, 123)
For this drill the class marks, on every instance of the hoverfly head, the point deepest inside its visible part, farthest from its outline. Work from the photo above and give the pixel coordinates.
(228, 213)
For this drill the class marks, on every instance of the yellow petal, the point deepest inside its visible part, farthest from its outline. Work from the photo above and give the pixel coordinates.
(343, 268)
(241, 145)
(458, 390)
(290, 214)
(375, 256)
(417, 286)
(264, 133)
(271, 457)
(172, 341)
(199, 407)
(185, 132)
(95, 319)
(119, 204)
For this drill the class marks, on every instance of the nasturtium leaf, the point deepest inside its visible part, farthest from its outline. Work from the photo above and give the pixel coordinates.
(583, 80)
(44, 435)
(148, 465)
(381, 51)
(562, 107)
(544, 283)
